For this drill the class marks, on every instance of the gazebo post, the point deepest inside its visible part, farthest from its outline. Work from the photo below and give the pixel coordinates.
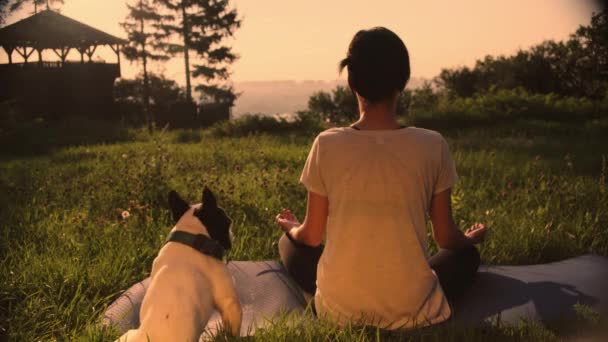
(39, 56)
(20, 53)
(9, 51)
(30, 53)
(64, 54)
(90, 51)
(24, 53)
(116, 51)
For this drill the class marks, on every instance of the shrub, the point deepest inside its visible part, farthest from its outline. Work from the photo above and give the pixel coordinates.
(499, 106)
(40, 136)
(305, 123)
(188, 136)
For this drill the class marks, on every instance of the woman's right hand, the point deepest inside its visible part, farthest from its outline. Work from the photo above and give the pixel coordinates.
(287, 220)
(477, 233)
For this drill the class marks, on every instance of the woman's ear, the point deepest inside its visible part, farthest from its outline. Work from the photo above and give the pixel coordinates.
(177, 205)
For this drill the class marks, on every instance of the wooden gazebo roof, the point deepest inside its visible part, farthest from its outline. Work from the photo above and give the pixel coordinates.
(51, 30)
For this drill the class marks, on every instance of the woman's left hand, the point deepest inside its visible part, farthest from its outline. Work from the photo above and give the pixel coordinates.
(476, 233)
(287, 220)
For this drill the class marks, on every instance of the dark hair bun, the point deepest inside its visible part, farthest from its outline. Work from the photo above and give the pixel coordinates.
(378, 64)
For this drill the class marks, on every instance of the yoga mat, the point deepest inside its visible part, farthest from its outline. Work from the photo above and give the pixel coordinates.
(538, 292)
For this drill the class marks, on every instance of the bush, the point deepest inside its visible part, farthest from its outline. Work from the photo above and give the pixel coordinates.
(188, 136)
(168, 105)
(499, 106)
(40, 136)
(305, 123)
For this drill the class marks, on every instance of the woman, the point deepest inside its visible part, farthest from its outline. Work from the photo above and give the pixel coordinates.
(370, 188)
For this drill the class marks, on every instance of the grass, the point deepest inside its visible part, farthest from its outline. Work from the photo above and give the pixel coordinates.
(67, 251)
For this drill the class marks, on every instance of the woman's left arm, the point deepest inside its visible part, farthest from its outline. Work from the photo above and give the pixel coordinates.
(310, 232)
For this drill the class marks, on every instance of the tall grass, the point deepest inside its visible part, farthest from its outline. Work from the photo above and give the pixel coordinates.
(82, 223)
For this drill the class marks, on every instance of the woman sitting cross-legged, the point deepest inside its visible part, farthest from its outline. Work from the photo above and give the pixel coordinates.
(371, 187)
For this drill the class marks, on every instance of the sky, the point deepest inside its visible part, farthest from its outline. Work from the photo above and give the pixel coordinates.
(305, 39)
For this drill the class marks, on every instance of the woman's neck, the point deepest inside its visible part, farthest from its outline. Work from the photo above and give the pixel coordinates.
(377, 116)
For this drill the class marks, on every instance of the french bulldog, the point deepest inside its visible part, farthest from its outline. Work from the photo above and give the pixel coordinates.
(189, 278)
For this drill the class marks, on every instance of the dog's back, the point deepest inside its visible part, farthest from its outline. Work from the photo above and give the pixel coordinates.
(186, 284)
(179, 300)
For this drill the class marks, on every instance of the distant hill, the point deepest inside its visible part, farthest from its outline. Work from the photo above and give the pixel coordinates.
(283, 97)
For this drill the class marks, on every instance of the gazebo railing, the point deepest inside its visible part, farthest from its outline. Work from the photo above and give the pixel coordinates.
(59, 67)
(53, 64)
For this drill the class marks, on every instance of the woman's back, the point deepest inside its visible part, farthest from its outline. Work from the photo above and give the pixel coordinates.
(379, 185)
(370, 190)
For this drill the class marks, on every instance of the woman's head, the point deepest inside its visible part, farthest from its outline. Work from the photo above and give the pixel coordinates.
(378, 64)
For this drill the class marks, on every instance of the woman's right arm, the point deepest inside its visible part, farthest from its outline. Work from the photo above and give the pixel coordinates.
(445, 232)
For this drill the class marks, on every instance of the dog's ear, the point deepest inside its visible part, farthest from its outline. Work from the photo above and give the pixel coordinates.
(209, 201)
(178, 205)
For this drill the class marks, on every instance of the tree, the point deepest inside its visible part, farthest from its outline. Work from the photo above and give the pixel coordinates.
(9, 6)
(201, 25)
(593, 40)
(322, 105)
(576, 67)
(338, 107)
(143, 45)
(341, 106)
(424, 98)
(164, 95)
(459, 82)
(4, 9)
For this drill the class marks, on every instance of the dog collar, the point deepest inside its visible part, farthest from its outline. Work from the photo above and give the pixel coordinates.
(200, 242)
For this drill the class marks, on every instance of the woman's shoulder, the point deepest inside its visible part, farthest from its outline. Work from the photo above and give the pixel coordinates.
(425, 133)
(331, 134)
(412, 134)
(332, 131)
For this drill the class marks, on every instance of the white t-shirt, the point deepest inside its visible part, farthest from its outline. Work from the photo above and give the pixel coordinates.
(374, 269)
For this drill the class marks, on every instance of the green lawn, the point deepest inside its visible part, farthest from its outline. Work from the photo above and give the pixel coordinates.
(67, 252)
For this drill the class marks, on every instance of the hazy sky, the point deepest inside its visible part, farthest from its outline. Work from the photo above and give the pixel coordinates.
(305, 39)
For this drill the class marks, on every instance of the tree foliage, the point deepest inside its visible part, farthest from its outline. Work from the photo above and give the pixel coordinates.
(163, 91)
(142, 28)
(9, 6)
(575, 67)
(202, 27)
(168, 104)
(164, 95)
(340, 105)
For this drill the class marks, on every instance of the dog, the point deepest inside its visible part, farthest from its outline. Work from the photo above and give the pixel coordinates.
(189, 279)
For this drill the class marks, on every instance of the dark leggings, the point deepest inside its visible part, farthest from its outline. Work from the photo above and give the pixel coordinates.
(455, 269)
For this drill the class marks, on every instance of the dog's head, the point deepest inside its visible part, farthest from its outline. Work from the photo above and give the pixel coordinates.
(212, 217)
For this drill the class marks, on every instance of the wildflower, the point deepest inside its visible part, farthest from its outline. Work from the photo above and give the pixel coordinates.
(124, 156)
(125, 214)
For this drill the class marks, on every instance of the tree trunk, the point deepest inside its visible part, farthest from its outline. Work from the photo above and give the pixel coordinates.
(147, 114)
(185, 34)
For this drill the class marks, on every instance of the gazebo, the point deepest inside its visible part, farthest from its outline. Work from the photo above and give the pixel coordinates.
(60, 87)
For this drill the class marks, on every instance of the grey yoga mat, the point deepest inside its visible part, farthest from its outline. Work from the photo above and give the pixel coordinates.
(539, 292)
